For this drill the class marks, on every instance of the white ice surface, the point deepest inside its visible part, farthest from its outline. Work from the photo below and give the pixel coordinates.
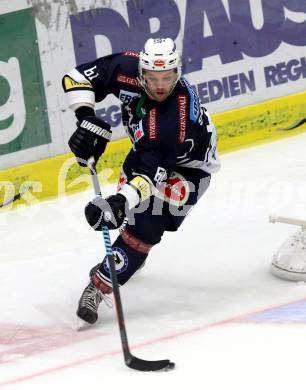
(182, 306)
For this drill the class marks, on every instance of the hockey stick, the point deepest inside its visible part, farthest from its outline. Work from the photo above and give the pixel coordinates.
(14, 198)
(294, 125)
(130, 360)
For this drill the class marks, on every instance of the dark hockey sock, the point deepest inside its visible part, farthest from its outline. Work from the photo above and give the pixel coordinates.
(128, 260)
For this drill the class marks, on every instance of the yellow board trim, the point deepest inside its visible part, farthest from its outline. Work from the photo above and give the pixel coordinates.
(259, 123)
(60, 175)
(238, 128)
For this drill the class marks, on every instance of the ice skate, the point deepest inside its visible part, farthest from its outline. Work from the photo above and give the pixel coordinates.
(95, 292)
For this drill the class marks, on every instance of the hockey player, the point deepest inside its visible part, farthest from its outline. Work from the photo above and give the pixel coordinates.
(167, 170)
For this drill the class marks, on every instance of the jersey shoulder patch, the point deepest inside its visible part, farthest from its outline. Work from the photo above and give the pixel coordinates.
(71, 85)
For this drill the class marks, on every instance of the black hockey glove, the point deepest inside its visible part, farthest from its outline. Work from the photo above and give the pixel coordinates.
(109, 212)
(89, 139)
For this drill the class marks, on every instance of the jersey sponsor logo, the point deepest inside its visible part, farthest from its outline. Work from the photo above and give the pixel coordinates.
(122, 78)
(159, 63)
(152, 127)
(175, 191)
(127, 96)
(160, 175)
(96, 129)
(182, 106)
(134, 131)
(137, 131)
(131, 54)
(71, 85)
(194, 109)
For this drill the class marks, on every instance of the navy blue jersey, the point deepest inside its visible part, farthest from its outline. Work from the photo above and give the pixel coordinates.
(176, 132)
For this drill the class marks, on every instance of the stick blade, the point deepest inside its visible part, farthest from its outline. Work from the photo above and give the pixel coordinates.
(294, 125)
(149, 365)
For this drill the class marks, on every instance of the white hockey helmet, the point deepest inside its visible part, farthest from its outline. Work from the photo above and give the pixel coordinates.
(158, 55)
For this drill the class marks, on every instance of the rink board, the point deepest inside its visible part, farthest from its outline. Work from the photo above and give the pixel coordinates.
(238, 128)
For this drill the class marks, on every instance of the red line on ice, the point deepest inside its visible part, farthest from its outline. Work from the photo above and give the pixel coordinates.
(185, 332)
